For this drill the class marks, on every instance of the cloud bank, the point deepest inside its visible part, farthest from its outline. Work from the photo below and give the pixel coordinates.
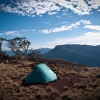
(40, 7)
(12, 33)
(89, 38)
(65, 28)
(16, 33)
(93, 27)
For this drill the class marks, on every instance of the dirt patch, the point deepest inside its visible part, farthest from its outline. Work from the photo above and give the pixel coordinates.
(66, 80)
(60, 83)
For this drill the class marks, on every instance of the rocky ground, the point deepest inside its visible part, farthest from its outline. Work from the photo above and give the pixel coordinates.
(75, 81)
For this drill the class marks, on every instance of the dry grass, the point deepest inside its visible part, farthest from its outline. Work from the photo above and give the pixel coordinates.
(87, 86)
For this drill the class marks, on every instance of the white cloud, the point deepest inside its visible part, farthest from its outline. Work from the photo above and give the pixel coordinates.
(85, 22)
(40, 7)
(39, 46)
(65, 28)
(12, 33)
(89, 38)
(26, 30)
(51, 13)
(17, 33)
(62, 28)
(94, 27)
(98, 10)
(58, 16)
(94, 3)
(32, 7)
(46, 31)
(77, 6)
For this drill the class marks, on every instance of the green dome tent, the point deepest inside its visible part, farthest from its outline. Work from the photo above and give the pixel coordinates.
(40, 74)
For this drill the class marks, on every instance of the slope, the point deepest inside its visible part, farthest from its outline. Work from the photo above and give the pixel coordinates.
(83, 54)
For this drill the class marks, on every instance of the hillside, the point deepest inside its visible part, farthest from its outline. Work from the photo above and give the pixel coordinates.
(83, 54)
(75, 81)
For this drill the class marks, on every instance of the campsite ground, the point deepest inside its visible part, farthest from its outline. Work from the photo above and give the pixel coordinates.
(75, 81)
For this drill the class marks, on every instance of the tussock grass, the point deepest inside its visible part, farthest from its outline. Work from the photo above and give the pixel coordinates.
(12, 74)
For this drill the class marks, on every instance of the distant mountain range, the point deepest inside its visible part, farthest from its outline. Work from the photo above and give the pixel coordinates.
(83, 54)
(42, 51)
(9, 53)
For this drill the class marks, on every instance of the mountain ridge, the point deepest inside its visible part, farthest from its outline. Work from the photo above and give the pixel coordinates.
(83, 54)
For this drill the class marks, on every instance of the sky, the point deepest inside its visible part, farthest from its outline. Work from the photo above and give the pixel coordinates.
(47, 23)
